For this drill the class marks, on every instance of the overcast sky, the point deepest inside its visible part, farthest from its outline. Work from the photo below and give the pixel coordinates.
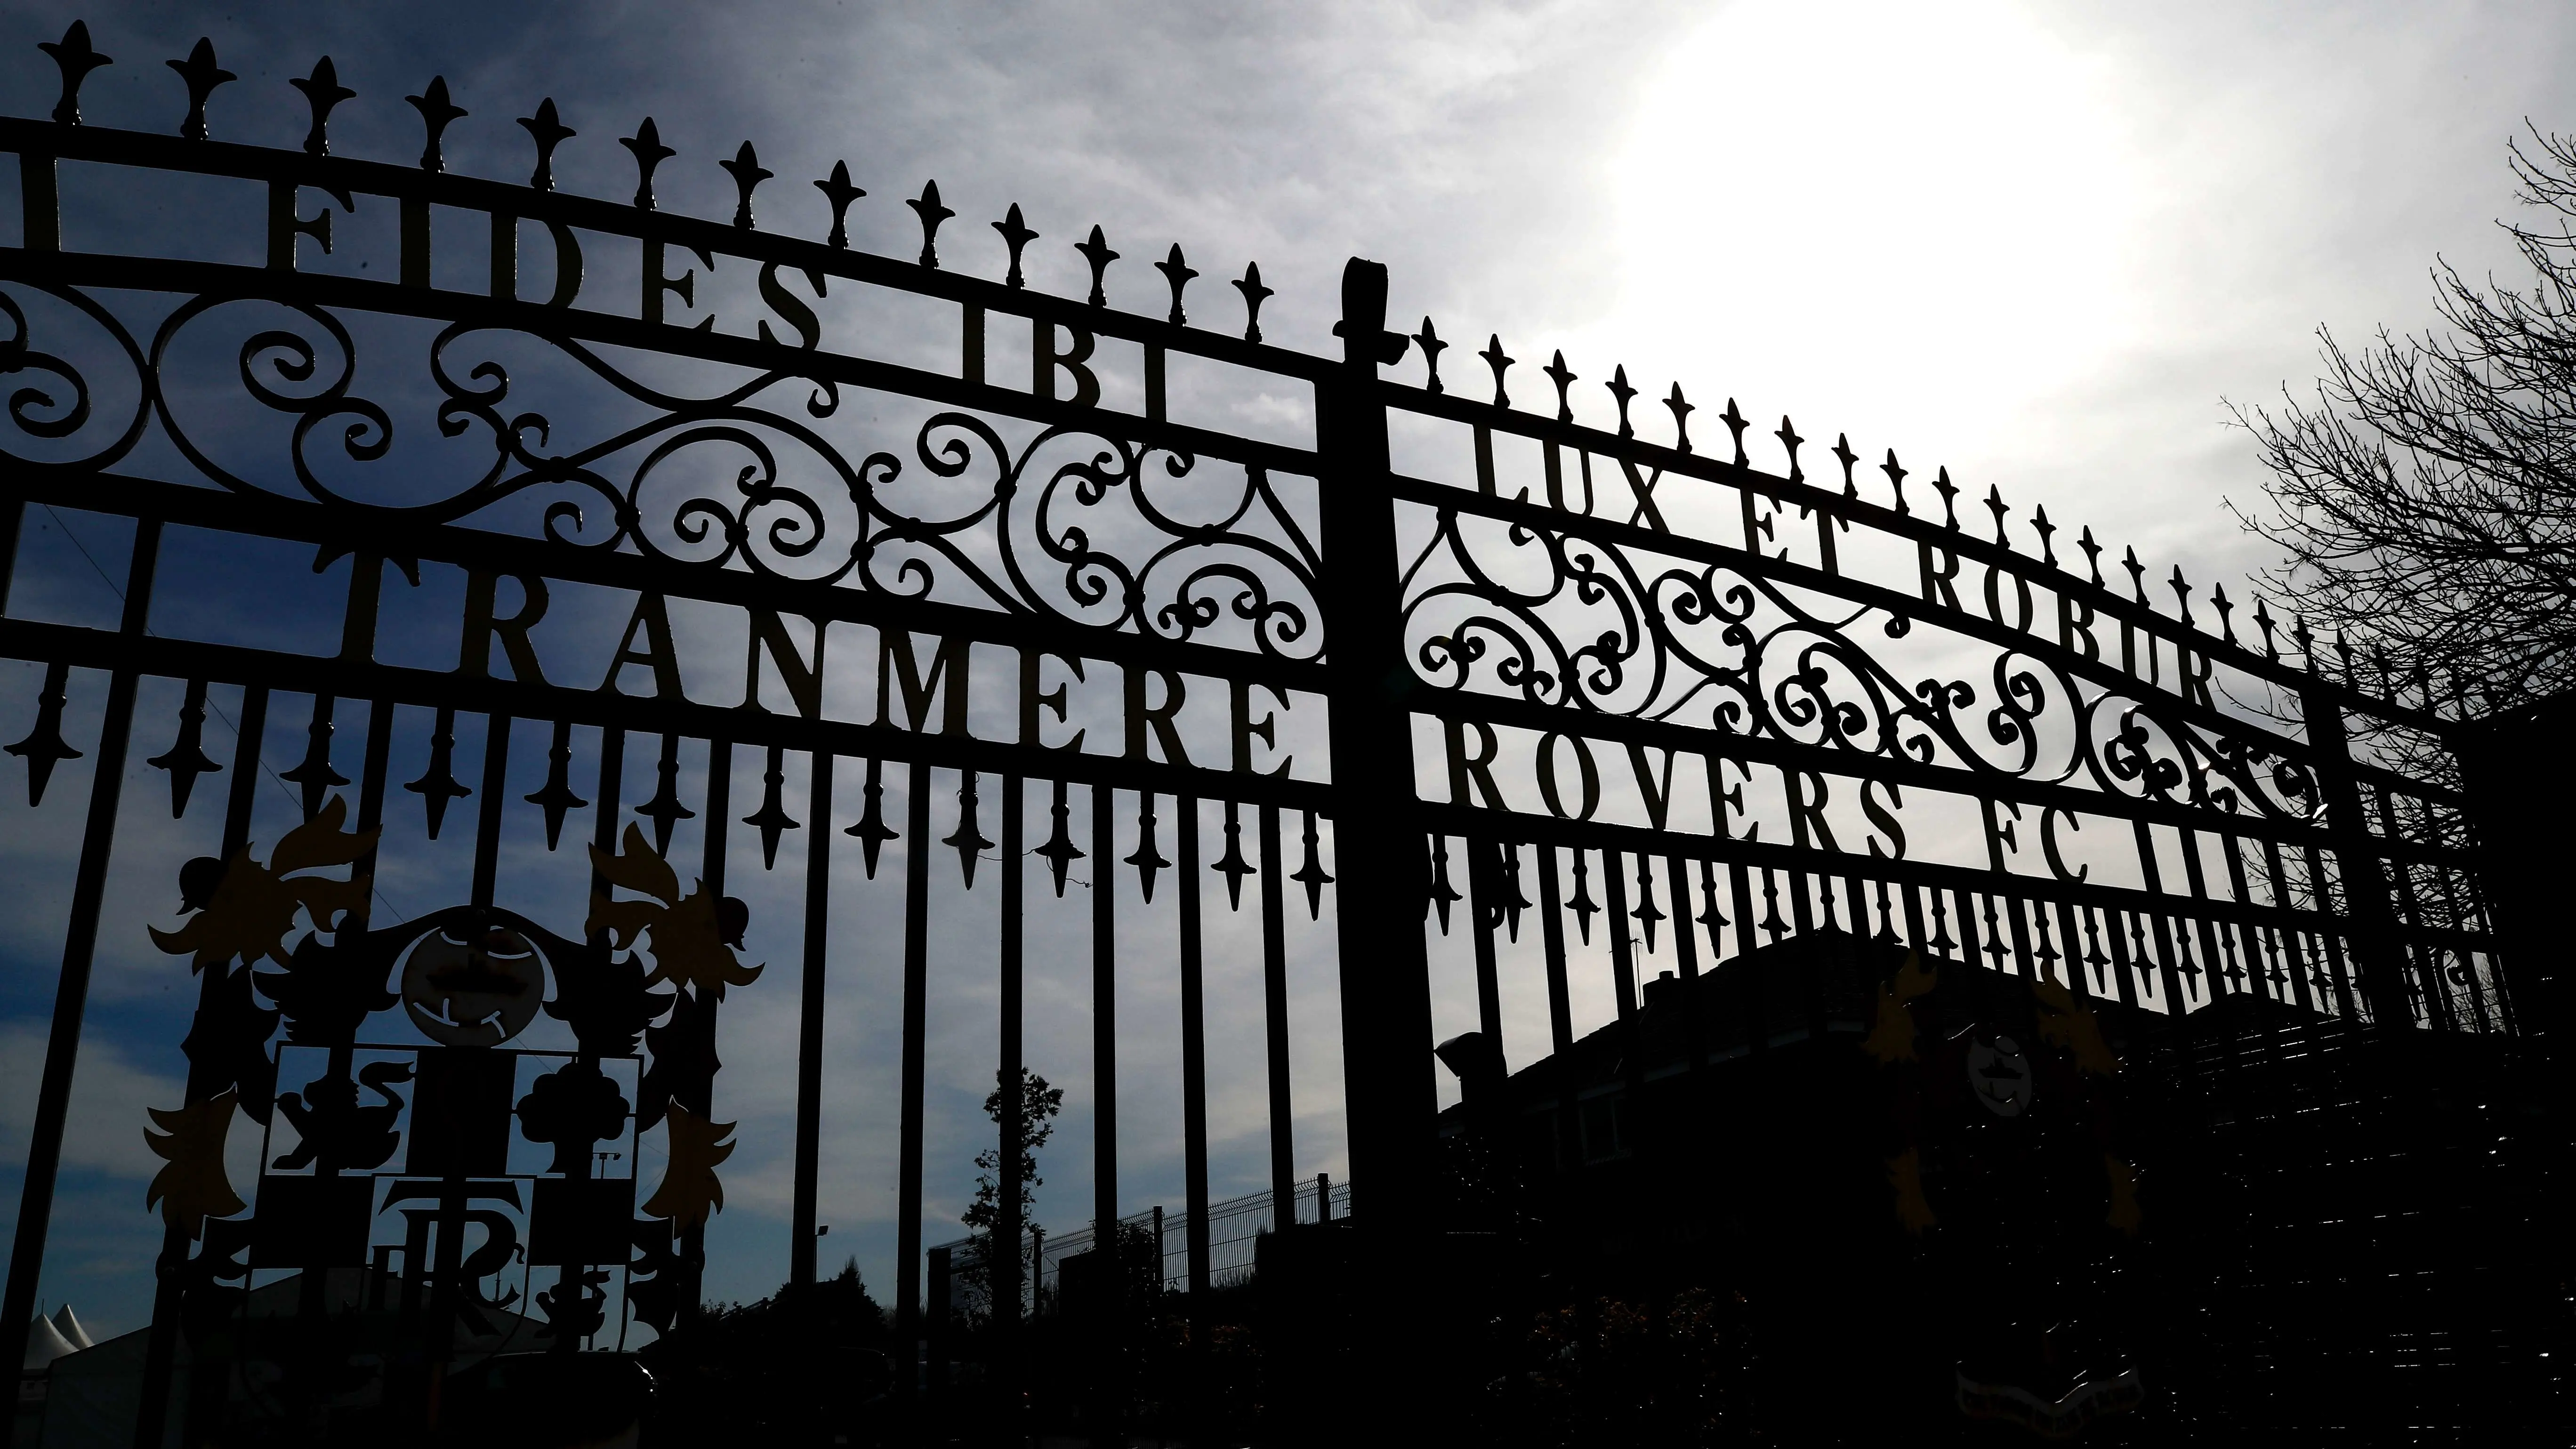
(2041, 245)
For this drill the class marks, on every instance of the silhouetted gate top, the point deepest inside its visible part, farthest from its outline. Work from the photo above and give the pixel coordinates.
(1760, 685)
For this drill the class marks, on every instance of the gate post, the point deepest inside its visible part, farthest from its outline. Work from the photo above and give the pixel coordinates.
(2365, 885)
(2521, 788)
(1390, 1095)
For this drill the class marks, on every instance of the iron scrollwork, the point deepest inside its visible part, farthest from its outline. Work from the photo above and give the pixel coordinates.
(1067, 523)
(1572, 623)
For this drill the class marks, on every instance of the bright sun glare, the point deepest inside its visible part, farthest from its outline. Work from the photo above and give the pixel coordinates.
(1880, 216)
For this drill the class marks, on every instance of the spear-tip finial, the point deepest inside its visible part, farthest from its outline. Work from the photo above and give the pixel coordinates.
(1253, 294)
(2182, 594)
(1789, 439)
(747, 173)
(75, 57)
(1432, 346)
(1498, 361)
(1177, 272)
(2264, 621)
(1995, 505)
(1736, 423)
(436, 110)
(2047, 532)
(2092, 555)
(1895, 472)
(838, 191)
(322, 91)
(1622, 392)
(1095, 250)
(547, 130)
(2218, 601)
(202, 75)
(1949, 492)
(1681, 410)
(650, 153)
(1016, 235)
(927, 207)
(1844, 455)
(1563, 377)
(2137, 572)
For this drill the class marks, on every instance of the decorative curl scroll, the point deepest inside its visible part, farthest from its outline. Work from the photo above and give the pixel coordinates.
(757, 475)
(1575, 624)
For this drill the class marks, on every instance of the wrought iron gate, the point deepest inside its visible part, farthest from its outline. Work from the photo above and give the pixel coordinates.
(1439, 648)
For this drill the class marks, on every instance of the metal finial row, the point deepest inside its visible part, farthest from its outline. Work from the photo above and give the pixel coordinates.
(1623, 393)
(1433, 345)
(75, 56)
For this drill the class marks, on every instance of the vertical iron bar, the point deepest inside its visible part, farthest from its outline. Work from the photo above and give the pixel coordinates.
(1686, 956)
(2117, 928)
(611, 791)
(1551, 921)
(2250, 938)
(1104, 1014)
(13, 516)
(1623, 965)
(2195, 876)
(2276, 878)
(2439, 1010)
(809, 1023)
(1274, 1008)
(71, 990)
(1193, 1067)
(2177, 1001)
(2020, 928)
(312, 1306)
(1484, 913)
(1967, 931)
(1811, 983)
(160, 1352)
(916, 986)
(1005, 1250)
(487, 824)
(246, 770)
(1563, 1145)
(711, 873)
(2070, 948)
(1106, 1392)
(1623, 979)
(371, 799)
(1757, 1026)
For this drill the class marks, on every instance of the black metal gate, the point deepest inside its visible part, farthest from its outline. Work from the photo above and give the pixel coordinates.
(1433, 649)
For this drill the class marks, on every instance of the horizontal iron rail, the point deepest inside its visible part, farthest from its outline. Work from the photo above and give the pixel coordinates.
(1901, 770)
(538, 319)
(355, 176)
(277, 516)
(86, 648)
(1478, 823)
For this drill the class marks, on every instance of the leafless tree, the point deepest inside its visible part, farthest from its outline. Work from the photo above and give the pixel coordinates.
(2426, 499)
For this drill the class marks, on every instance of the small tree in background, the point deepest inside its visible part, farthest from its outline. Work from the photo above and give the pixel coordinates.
(1039, 1104)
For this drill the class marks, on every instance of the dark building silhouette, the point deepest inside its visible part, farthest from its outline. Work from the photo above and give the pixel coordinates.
(1947, 1192)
